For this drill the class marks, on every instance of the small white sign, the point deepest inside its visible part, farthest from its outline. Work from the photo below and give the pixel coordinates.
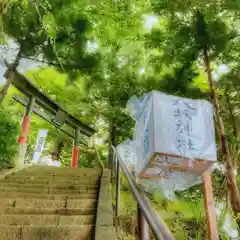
(42, 134)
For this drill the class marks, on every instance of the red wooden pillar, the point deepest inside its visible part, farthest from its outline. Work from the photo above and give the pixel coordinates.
(75, 152)
(25, 128)
(24, 133)
(209, 207)
(26, 122)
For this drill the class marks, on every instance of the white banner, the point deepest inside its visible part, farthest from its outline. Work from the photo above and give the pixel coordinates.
(174, 139)
(176, 126)
(42, 134)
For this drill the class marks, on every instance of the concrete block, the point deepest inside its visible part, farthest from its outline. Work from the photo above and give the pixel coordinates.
(104, 216)
(104, 223)
(105, 232)
(106, 174)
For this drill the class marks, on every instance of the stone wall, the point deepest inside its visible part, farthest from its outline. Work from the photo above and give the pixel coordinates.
(104, 222)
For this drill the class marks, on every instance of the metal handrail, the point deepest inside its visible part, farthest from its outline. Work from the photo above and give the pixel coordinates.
(157, 225)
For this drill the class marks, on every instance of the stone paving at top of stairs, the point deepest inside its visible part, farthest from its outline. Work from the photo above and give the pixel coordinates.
(49, 203)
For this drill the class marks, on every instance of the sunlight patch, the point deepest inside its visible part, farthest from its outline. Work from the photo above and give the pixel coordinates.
(149, 21)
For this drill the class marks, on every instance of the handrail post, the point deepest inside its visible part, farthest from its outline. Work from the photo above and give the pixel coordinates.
(118, 188)
(142, 226)
(209, 207)
(158, 227)
(112, 165)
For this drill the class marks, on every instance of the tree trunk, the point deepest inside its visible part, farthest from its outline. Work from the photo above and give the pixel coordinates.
(9, 75)
(230, 173)
(238, 117)
(110, 152)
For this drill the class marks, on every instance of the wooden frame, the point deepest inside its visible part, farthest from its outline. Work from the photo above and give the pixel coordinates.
(199, 165)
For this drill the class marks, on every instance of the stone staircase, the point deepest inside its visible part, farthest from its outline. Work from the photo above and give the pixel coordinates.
(48, 203)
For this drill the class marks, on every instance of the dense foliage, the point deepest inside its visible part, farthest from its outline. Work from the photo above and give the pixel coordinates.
(8, 139)
(93, 56)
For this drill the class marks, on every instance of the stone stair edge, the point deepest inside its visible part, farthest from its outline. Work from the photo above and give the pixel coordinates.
(11, 172)
(49, 215)
(18, 232)
(40, 196)
(47, 226)
(51, 177)
(20, 173)
(49, 181)
(47, 190)
(33, 199)
(69, 186)
(37, 166)
(48, 211)
(50, 219)
(63, 170)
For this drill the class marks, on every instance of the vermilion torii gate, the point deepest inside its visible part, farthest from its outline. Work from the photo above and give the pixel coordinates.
(54, 114)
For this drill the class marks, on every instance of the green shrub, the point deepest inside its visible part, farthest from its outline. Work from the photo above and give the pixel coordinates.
(9, 131)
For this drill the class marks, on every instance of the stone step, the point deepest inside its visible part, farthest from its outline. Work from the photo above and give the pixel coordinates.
(68, 176)
(47, 190)
(7, 203)
(48, 211)
(62, 220)
(49, 181)
(69, 204)
(48, 232)
(60, 187)
(46, 196)
(53, 177)
(73, 192)
(49, 203)
(61, 171)
(42, 203)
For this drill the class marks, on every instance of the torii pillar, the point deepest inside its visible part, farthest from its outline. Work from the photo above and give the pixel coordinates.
(24, 133)
(75, 152)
